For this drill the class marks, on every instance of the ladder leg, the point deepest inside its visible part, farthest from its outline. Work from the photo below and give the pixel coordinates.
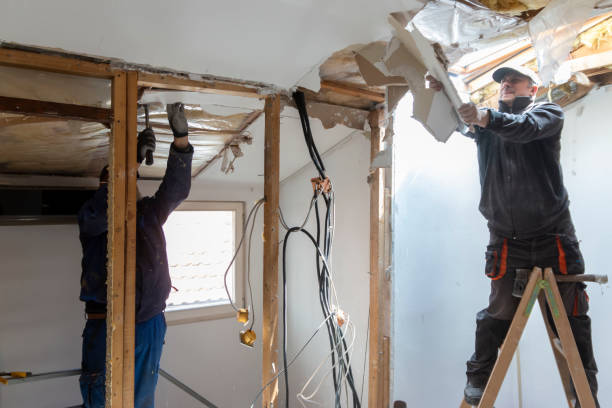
(570, 350)
(464, 404)
(559, 357)
(511, 341)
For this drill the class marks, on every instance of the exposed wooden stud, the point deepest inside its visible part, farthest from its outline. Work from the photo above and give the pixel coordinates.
(161, 81)
(315, 97)
(116, 246)
(54, 63)
(269, 339)
(129, 323)
(33, 107)
(341, 88)
(376, 392)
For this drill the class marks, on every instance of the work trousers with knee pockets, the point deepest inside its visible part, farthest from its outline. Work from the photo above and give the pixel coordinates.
(558, 250)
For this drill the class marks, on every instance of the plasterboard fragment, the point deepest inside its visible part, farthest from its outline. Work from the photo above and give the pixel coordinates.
(394, 94)
(415, 56)
(374, 75)
(332, 115)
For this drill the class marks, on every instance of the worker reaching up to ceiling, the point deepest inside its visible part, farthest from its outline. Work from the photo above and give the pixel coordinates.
(152, 274)
(526, 205)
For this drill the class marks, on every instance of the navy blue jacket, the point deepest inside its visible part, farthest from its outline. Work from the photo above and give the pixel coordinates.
(152, 274)
(523, 195)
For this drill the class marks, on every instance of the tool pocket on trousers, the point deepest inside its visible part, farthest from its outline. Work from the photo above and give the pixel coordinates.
(496, 258)
(569, 257)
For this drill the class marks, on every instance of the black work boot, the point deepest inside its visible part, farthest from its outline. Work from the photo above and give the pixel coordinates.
(490, 334)
(581, 328)
(474, 389)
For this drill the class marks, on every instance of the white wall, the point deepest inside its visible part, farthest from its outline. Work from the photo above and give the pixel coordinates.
(347, 166)
(439, 244)
(41, 318)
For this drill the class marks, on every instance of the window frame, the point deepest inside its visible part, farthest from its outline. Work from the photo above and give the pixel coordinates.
(223, 311)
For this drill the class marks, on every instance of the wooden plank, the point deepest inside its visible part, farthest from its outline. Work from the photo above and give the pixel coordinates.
(116, 247)
(574, 363)
(353, 91)
(559, 357)
(54, 63)
(510, 343)
(129, 328)
(270, 267)
(33, 107)
(376, 367)
(161, 81)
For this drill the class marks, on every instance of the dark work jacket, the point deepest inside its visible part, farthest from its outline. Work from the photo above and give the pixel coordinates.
(522, 195)
(152, 274)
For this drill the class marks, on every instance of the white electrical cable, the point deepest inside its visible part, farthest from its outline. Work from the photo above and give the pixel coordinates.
(300, 396)
(244, 229)
(291, 362)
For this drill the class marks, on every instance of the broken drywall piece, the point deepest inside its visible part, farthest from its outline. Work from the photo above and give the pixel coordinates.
(413, 56)
(422, 49)
(553, 32)
(332, 115)
(435, 112)
(393, 95)
(372, 67)
(383, 159)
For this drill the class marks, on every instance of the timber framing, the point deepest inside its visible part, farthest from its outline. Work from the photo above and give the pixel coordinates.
(56, 110)
(270, 257)
(163, 81)
(379, 385)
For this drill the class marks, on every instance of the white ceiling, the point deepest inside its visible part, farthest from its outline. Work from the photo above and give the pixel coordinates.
(270, 41)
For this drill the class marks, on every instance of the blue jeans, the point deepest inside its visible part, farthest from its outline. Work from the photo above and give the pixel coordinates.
(148, 348)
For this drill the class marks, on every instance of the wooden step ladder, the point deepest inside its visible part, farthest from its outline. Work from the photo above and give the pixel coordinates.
(543, 287)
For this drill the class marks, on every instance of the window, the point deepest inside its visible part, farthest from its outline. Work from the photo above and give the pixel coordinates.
(201, 238)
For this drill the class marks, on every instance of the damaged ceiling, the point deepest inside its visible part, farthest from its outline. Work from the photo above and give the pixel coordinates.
(353, 55)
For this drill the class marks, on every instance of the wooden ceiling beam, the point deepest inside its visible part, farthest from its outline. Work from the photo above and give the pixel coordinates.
(221, 87)
(54, 63)
(344, 89)
(67, 111)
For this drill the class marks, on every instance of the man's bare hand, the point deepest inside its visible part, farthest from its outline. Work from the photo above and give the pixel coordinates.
(471, 115)
(434, 83)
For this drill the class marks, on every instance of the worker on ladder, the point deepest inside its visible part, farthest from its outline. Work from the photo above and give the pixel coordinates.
(152, 274)
(527, 208)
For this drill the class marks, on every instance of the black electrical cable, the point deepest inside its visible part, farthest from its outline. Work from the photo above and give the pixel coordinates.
(338, 346)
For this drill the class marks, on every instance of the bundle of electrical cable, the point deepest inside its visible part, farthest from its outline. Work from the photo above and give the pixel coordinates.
(333, 316)
(335, 320)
